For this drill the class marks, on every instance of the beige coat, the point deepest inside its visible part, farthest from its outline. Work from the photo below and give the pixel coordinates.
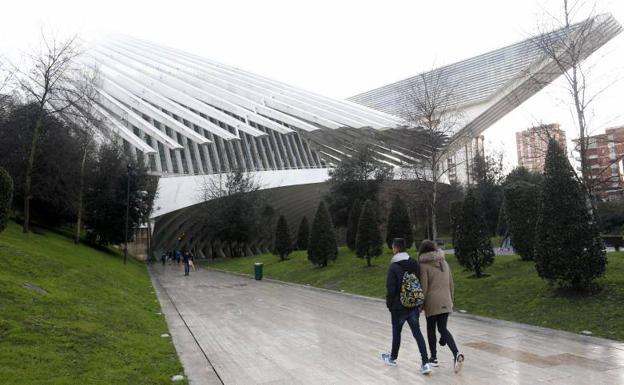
(437, 283)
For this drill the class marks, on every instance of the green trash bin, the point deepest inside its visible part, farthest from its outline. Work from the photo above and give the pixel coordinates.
(258, 270)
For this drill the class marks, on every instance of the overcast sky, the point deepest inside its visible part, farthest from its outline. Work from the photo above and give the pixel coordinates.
(335, 48)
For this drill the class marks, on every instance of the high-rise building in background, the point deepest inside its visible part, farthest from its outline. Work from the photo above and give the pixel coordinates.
(605, 153)
(532, 144)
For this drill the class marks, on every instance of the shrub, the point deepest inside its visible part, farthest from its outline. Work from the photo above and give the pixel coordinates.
(352, 223)
(369, 243)
(283, 244)
(303, 236)
(473, 247)
(568, 248)
(521, 207)
(6, 197)
(323, 246)
(399, 224)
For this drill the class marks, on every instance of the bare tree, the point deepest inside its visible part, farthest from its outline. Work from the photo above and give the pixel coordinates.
(6, 75)
(433, 117)
(566, 43)
(232, 211)
(54, 80)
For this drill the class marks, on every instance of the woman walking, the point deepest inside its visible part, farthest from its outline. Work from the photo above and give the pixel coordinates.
(437, 285)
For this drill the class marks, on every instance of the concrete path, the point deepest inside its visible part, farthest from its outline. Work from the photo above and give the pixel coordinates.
(234, 330)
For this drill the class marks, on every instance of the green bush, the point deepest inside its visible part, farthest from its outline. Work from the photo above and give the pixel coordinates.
(283, 244)
(369, 243)
(399, 224)
(568, 248)
(303, 236)
(6, 197)
(323, 246)
(352, 223)
(473, 247)
(521, 208)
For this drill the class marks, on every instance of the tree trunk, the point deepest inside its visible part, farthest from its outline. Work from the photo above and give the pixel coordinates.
(149, 239)
(368, 261)
(80, 193)
(29, 171)
(434, 216)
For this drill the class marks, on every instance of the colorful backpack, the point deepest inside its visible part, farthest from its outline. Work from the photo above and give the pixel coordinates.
(411, 294)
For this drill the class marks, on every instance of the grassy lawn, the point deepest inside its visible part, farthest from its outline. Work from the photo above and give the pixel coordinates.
(512, 291)
(84, 318)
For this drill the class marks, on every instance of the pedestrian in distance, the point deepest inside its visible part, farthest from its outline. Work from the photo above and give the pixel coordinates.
(163, 258)
(404, 299)
(437, 285)
(185, 262)
(191, 259)
(178, 256)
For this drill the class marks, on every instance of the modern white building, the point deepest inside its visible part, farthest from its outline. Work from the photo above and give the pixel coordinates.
(190, 118)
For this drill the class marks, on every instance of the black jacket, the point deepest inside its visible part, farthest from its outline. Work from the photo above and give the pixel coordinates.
(393, 283)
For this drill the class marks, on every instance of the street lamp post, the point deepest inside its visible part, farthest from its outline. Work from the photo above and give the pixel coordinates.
(127, 213)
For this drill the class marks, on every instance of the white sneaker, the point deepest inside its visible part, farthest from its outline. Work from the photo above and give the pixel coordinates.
(459, 362)
(425, 369)
(389, 361)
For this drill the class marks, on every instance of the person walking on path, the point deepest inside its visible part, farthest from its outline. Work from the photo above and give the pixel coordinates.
(191, 259)
(178, 256)
(437, 285)
(402, 266)
(163, 258)
(185, 261)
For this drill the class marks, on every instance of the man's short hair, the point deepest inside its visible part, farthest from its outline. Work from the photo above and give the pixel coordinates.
(399, 243)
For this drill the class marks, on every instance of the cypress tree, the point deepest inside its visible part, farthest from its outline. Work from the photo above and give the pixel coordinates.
(473, 247)
(521, 208)
(369, 243)
(323, 246)
(568, 248)
(283, 244)
(352, 223)
(6, 197)
(399, 224)
(303, 236)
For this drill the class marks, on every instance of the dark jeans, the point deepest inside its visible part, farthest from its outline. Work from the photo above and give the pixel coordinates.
(398, 319)
(440, 320)
(186, 268)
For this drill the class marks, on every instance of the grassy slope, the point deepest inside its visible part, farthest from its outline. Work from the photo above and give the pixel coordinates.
(97, 324)
(513, 291)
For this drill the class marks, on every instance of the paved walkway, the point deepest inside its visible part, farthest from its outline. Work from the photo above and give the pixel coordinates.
(234, 330)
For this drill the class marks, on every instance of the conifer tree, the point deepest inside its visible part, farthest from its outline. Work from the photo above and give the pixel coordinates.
(303, 236)
(521, 207)
(283, 244)
(473, 247)
(352, 223)
(6, 197)
(323, 246)
(568, 248)
(399, 224)
(369, 243)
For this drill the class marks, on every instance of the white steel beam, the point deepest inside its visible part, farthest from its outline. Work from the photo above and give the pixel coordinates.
(124, 132)
(133, 118)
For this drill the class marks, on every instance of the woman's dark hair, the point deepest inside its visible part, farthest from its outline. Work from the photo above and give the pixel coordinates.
(427, 246)
(399, 243)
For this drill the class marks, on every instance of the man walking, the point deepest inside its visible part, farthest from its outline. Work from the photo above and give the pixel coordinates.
(185, 261)
(403, 267)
